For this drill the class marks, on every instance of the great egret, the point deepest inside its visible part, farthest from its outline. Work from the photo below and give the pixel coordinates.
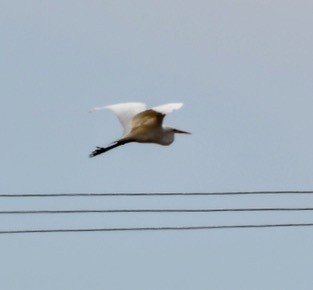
(141, 125)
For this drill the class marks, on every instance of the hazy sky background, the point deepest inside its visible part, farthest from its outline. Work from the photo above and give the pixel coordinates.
(244, 71)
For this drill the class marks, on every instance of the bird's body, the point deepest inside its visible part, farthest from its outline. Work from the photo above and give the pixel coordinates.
(144, 134)
(141, 125)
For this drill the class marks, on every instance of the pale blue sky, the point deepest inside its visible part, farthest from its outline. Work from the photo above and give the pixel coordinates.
(244, 71)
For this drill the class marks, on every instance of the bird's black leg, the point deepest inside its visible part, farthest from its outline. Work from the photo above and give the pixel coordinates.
(100, 150)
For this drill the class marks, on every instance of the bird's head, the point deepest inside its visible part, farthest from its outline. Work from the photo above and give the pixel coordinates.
(168, 135)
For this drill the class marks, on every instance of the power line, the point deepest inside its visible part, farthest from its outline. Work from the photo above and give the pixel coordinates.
(51, 195)
(155, 228)
(216, 210)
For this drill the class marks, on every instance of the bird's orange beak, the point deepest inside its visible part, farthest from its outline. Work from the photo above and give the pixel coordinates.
(181, 132)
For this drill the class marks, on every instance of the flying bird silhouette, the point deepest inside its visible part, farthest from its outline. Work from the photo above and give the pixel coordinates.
(141, 125)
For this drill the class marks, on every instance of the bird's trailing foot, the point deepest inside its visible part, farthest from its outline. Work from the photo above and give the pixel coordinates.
(100, 150)
(97, 151)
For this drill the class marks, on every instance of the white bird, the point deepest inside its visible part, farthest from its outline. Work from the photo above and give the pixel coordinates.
(141, 125)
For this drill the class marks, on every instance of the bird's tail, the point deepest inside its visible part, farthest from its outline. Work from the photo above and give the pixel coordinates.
(100, 150)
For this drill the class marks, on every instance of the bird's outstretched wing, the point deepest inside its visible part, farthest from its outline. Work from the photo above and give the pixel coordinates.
(168, 108)
(125, 112)
(154, 117)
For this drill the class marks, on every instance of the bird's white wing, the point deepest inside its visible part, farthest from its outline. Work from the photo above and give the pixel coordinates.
(125, 113)
(168, 108)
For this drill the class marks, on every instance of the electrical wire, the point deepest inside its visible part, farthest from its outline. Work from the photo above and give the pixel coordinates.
(3, 232)
(215, 210)
(238, 193)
